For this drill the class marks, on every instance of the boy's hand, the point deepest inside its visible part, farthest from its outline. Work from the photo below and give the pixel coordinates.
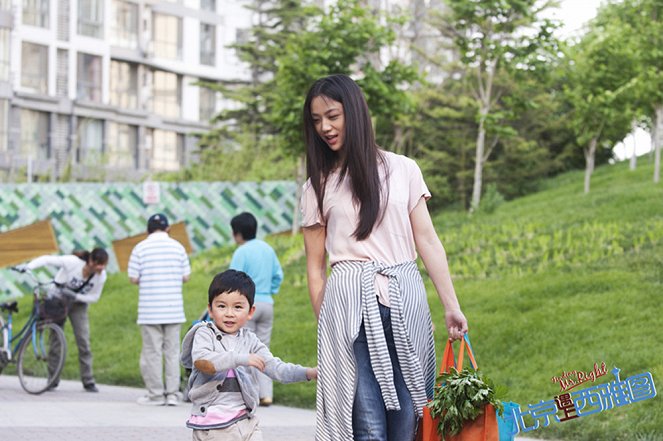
(312, 373)
(257, 362)
(205, 366)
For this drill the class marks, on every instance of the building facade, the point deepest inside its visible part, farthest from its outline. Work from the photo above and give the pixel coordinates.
(107, 89)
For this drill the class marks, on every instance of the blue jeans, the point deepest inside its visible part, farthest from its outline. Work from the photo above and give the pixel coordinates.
(371, 421)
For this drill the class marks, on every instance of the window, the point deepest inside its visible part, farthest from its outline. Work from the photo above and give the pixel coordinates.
(35, 13)
(63, 20)
(62, 78)
(34, 67)
(90, 133)
(34, 134)
(124, 84)
(4, 54)
(208, 5)
(207, 44)
(122, 145)
(207, 101)
(166, 147)
(4, 105)
(166, 94)
(90, 18)
(167, 36)
(125, 24)
(88, 85)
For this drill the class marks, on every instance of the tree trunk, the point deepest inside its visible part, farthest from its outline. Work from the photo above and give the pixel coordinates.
(590, 153)
(658, 129)
(301, 174)
(478, 165)
(634, 157)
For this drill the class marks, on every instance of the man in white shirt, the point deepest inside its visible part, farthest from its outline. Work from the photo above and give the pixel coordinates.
(159, 266)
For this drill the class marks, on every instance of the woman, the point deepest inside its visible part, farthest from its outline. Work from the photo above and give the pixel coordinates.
(80, 279)
(366, 208)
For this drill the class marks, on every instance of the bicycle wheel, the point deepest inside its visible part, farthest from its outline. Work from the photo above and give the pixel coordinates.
(41, 357)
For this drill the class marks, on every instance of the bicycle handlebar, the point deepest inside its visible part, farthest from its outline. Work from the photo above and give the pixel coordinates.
(32, 275)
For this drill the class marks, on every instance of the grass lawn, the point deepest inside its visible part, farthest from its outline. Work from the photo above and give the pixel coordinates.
(552, 282)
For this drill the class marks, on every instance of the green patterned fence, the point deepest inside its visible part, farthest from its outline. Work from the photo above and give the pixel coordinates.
(88, 215)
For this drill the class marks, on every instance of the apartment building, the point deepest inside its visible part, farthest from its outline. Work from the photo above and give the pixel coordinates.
(106, 89)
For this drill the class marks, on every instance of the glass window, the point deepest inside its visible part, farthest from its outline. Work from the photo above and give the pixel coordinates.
(208, 5)
(4, 54)
(207, 44)
(88, 84)
(166, 94)
(90, 18)
(125, 24)
(4, 132)
(122, 145)
(167, 36)
(62, 79)
(124, 84)
(90, 133)
(35, 13)
(166, 148)
(63, 19)
(34, 134)
(207, 101)
(34, 67)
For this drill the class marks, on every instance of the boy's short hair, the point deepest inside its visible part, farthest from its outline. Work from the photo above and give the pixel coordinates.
(245, 224)
(232, 280)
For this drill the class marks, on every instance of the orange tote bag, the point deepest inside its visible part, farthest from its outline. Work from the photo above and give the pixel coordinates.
(483, 428)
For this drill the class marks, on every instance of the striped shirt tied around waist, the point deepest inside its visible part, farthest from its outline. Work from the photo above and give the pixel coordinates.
(377, 343)
(350, 298)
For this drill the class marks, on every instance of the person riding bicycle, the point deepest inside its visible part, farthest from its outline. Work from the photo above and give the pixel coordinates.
(79, 281)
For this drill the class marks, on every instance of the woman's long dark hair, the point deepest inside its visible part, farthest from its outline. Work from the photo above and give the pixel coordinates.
(359, 157)
(97, 255)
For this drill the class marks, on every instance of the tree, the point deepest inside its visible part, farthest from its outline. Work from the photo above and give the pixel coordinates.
(495, 37)
(642, 24)
(600, 87)
(347, 39)
(242, 136)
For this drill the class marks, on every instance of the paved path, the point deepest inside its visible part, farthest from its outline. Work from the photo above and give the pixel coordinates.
(71, 414)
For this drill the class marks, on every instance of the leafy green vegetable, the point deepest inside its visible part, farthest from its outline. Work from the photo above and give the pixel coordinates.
(461, 396)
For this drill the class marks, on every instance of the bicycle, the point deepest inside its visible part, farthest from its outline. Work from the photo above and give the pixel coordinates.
(40, 346)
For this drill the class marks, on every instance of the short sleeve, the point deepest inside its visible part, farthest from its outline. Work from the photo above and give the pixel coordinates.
(418, 188)
(309, 206)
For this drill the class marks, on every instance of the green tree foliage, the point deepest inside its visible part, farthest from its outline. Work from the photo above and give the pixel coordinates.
(240, 146)
(535, 138)
(497, 41)
(600, 85)
(641, 25)
(291, 46)
(347, 39)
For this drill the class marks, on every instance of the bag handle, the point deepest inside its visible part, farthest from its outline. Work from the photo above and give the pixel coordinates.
(448, 359)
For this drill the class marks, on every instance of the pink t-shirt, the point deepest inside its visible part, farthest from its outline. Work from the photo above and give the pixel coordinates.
(391, 241)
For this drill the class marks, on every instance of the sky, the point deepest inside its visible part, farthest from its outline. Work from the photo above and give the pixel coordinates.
(574, 14)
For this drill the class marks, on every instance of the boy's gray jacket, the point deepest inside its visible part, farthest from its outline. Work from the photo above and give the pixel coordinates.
(203, 388)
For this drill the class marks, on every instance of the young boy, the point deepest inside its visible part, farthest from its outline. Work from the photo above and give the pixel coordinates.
(222, 355)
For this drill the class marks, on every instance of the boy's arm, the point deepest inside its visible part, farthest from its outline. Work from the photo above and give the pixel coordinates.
(209, 361)
(279, 370)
